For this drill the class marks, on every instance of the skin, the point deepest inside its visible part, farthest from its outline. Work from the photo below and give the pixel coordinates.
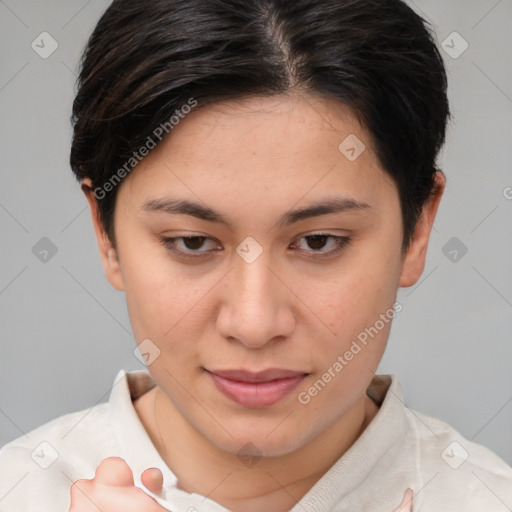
(112, 489)
(252, 161)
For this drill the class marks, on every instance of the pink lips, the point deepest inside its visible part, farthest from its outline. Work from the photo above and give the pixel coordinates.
(256, 390)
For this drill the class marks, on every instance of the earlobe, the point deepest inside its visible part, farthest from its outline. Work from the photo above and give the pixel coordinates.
(108, 253)
(414, 260)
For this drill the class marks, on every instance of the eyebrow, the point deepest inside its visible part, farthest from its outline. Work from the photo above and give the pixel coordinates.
(177, 206)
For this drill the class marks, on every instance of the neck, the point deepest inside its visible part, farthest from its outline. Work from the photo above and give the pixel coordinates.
(273, 484)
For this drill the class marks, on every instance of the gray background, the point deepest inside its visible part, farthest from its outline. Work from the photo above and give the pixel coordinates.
(65, 332)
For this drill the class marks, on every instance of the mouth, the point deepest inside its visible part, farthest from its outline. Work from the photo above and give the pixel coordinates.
(256, 389)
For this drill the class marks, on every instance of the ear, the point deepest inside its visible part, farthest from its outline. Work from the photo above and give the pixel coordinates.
(108, 253)
(414, 260)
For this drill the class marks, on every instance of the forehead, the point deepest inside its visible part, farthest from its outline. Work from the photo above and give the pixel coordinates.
(280, 147)
(259, 119)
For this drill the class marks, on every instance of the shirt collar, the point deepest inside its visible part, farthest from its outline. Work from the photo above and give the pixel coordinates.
(357, 480)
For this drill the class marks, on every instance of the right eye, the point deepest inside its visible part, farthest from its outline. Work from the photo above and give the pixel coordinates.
(186, 246)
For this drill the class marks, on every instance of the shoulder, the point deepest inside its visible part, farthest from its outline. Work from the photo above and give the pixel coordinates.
(35, 467)
(456, 470)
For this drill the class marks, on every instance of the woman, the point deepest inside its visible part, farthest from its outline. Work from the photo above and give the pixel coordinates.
(262, 179)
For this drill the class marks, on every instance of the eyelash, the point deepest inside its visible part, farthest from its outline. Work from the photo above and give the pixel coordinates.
(341, 243)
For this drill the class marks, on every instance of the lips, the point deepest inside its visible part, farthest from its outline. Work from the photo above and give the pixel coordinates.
(256, 389)
(262, 376)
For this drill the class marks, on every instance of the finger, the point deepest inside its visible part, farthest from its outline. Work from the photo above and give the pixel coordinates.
(110, 498)
(152, 479)
(114, 471)
(79, 490)
(406, 505)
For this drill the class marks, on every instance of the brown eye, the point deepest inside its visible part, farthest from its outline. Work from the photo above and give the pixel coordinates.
(317, 241)
(322, 244)
(194, 242)
(189, 246)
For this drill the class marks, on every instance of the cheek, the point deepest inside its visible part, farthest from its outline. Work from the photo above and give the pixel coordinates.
(355, 298)
(159, 306)
(158, 296)
(168, 316)
(358, 307)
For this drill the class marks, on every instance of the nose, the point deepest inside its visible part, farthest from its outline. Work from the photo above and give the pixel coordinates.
(257, 305)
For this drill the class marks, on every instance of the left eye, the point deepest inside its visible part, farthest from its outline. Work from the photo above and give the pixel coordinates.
(319, 240)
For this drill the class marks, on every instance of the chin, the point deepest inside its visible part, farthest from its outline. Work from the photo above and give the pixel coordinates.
(257, 442)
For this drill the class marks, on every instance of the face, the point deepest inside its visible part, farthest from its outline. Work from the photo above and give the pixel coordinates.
(244, 283)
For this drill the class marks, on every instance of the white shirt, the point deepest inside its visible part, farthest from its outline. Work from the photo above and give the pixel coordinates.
(399, 449)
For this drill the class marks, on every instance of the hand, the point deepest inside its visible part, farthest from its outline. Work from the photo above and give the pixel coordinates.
(112, 489)
(406, 505)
